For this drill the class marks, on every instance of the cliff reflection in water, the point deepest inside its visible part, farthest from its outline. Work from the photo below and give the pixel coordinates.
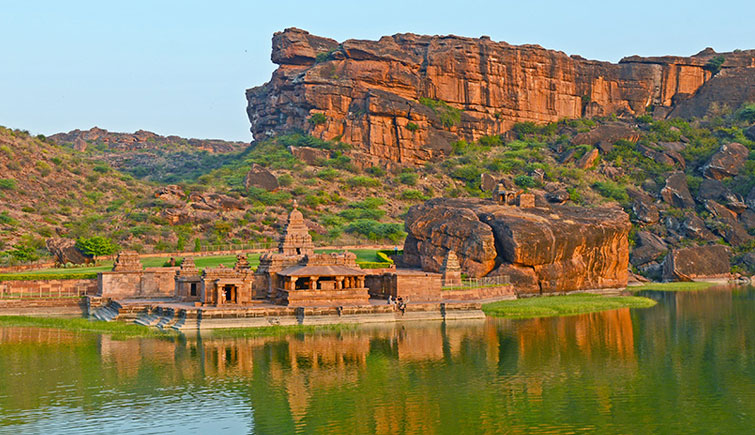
(597, 370)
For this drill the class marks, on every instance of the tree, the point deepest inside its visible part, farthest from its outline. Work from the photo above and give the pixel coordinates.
(96, 246)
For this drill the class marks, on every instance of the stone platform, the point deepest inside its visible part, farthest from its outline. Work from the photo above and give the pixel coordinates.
(187, 317)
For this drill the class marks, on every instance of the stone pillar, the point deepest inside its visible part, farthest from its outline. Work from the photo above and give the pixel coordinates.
(339, 282)
(313, 283)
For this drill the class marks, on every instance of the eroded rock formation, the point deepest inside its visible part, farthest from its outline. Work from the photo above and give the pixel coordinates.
(542, 250)
(406, 97)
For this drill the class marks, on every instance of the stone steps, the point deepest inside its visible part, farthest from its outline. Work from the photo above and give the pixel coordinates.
(107, 313)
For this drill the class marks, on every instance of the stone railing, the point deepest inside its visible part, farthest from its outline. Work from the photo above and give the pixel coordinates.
(47, 289)
(488, 281)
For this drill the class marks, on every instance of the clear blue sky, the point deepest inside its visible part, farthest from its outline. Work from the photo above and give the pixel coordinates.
(181, 67)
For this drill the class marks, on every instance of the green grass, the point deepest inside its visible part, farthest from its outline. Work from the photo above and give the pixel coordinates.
(567, 305)
(91, 271)
(117, 329)
(267, 331)
(672, 286)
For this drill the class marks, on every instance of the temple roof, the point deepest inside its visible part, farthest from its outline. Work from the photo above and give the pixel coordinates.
(321, 271)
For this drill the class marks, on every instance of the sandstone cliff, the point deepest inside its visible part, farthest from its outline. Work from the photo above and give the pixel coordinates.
(543, 249)
(406, 97)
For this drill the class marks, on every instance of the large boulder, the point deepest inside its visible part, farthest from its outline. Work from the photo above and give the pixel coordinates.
(64, 251)
(697, 262)
(607, 134)
(566, 248)
(648, 253)
(435, 230)
(695, 228)
(259, 176)
(732, 230)
(727, 161)
(676, 192)
(643, 207)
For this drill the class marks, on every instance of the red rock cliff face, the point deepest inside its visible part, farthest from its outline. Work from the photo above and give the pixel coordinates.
(370, 91)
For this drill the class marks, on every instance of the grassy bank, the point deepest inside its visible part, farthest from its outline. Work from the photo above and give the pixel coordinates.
(268, 331)
(551, 306)
(117, 329)
(672, 286)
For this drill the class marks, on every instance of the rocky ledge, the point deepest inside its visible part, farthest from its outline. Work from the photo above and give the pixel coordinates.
(542, 249)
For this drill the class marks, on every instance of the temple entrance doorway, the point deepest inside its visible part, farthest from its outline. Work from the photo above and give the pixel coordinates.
(230, 294)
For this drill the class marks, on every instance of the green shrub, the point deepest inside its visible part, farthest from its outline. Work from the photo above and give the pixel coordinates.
(96, 246)
(408, 178)
(523, 129)
(413, 195)
(7, 184)
(714, 65)
(611, 190)
(328, 174)
(448, 115)
(490, 141)
(363, 181)
(285, 180)
(5, 219)
(317, 119)
(525, 181)
(746, 113)
(412, 127)
(43, 168)
(374, 230)
(351, 214)
(375, 171)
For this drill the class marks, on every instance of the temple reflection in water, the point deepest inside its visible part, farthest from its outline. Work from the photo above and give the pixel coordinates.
(399, 377)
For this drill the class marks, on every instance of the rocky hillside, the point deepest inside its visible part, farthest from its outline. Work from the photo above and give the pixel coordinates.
(147, 155)
(406, 98)
(50, 191)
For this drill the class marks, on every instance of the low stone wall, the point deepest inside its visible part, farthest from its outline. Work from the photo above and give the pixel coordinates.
(153, 282)
(479, 293)
(25, 267)
(43, 289)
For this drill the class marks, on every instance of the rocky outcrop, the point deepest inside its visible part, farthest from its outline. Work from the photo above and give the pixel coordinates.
(726, 162)
(260, 177)
(406, 98)
(542, 249)
(64, 251)
(697, 262)
(648, 253)
(676, 192)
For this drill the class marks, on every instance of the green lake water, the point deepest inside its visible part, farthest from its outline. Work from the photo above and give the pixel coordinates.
(686, 365)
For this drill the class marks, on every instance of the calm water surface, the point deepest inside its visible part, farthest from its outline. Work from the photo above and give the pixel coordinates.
(684, 366)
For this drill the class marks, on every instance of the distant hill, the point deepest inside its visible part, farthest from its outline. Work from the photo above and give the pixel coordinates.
(149, 156)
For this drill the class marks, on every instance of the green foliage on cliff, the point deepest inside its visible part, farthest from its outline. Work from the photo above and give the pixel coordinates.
(447, 114)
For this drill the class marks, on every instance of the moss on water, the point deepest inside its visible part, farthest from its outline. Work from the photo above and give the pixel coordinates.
(266, 331)
(567, 305)
(119, 330)
(672, 286)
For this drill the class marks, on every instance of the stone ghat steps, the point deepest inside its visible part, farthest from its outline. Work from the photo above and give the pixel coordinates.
(106, 313)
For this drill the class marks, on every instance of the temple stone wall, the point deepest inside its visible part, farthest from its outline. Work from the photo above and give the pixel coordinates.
(408, 284)
(158, 282)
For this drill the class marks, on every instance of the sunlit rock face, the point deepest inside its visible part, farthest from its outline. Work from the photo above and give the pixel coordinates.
(376, 95)
(542, 249)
